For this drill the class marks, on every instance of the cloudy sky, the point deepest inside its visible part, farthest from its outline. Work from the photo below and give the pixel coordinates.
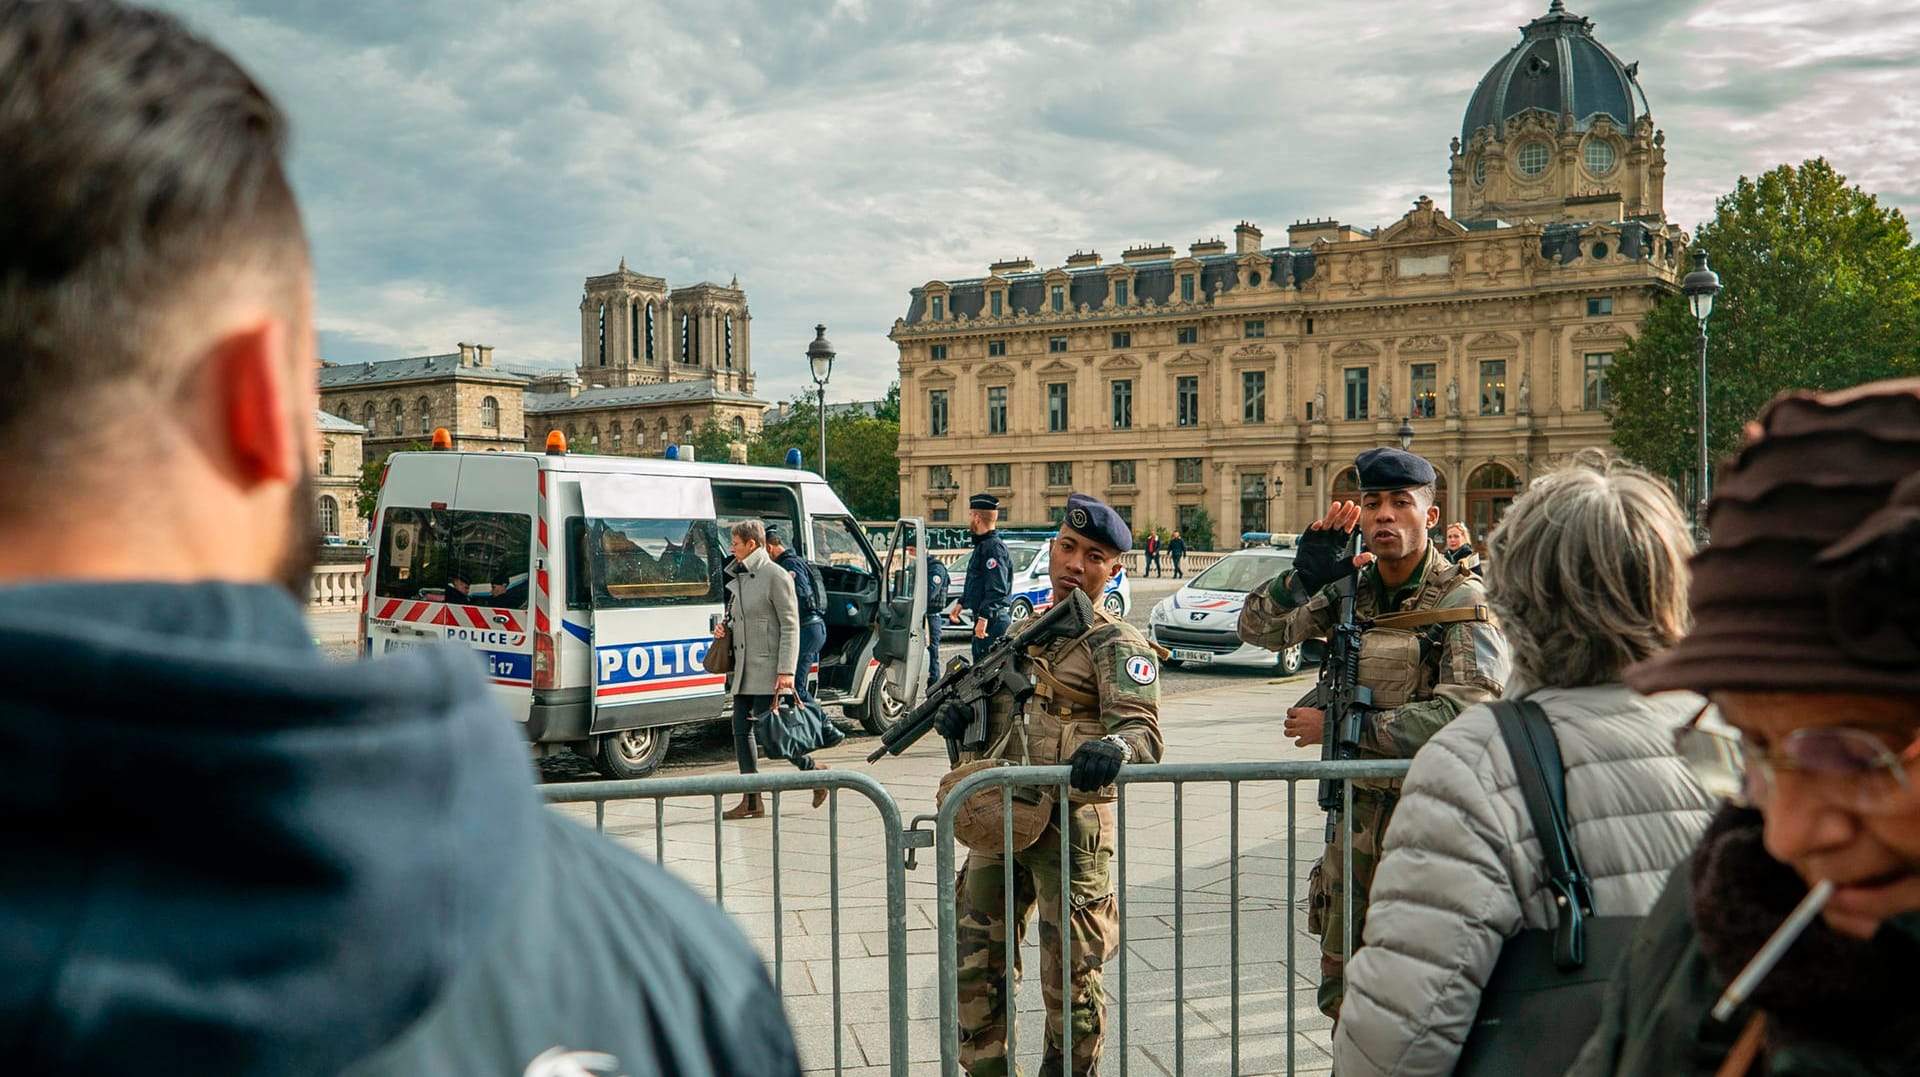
(466, 163)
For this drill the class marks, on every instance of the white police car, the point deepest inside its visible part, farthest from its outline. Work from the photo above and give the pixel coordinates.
(1031, 591)
(1199, 623)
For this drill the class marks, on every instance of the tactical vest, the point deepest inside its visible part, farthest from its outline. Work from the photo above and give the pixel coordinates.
(1061, 714)
(1400, 650)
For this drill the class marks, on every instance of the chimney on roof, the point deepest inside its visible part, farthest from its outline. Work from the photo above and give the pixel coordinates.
(486, 355)
(1010, 265)
(1200, 247)
(1246, 238)
(466, 355)
(1083, 258)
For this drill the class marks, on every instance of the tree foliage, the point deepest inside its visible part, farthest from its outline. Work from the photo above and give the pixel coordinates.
(1820, 290)
(863, 451)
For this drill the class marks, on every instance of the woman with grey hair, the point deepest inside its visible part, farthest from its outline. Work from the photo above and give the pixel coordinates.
(763, 628)
(1588, 576)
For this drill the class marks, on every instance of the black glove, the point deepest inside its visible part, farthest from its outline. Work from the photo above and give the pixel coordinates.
(1322, 559)
(1096, 763)
(952, 720)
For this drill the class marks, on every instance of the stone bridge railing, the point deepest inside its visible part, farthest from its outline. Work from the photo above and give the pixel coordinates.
(336, 587)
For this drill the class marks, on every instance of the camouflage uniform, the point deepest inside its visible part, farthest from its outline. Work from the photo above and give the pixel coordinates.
(1421, 677)
(1104, 682)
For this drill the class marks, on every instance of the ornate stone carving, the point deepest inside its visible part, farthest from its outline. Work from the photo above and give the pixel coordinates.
(1453, 399)
(1423, 343)
(1355, 349)
(1523, 401)
(1493, 340)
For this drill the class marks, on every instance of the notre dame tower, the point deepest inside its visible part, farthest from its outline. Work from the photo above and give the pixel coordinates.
(634, 331)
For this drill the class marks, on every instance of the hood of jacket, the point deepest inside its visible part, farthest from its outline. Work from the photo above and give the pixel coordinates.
(227, 851)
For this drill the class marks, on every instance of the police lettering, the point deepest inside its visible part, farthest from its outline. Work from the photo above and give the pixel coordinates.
(651, 661)
(476, 635)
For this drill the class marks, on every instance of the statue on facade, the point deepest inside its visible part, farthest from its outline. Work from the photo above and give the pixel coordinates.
(1453, 399)
(1320, 402)
(1525, 397)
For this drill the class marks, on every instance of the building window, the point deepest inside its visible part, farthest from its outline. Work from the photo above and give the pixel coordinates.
(1120, 472)
(369, 419)
(633, 324)
(326, 460)
(1253, 501)
(1186, 287)
(1186, 334)
(1057, 514)
(1123, 404)
(426, 415)
(729, 342)
(603, 334)
(1186, 470)
(613, 431)
(938, 514)
(1253, 396)
(489, 413)
(686, 428)
(1599, 156)
(1255, 329)
(940, 477)
(329, 512)
(937, 413)
(1187, 516)
(1493, 387)
(1057, 298)
(1599, 306)
(397, 412)
(639, 436)
(686, 339)
(939, 308)
(996, 347)
(1423, 377)
(1125, 512)
(593, 436)
(1532, 158)
(1309, 326)
(1123, 340)
(1186, 393)
(1596, 397)
(1120, 293)
(996, 302)
(649, 332)
(1309, 476)
(1480, 170)
(1056, 407)
(739, 427)
(1059, 473)
(1056, 344)
(937, 351)
(1356, 393)
(997, 409)
(999, 475)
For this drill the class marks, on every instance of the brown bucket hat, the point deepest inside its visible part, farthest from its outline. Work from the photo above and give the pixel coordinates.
(1812, 580)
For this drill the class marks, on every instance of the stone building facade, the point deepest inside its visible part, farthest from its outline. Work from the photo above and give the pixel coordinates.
(336, 479)
(401, 402)
(1244, 380)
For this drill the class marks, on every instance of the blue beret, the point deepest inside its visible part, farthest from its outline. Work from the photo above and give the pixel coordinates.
(1093, 518)
(1392, 469)
(984, 501)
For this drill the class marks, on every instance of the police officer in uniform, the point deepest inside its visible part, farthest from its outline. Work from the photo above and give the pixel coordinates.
(1430, 650)
(938, 582)
(989, 574)
(1095, 706)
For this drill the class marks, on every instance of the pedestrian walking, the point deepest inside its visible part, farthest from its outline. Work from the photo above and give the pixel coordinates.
(1591, 577)
(1153, 553)
(989, 574)
(762, 627)
(1177, 549)
(810, 594)
(227, 853)
(1431, 652)
(1806, 636)
(1098, 708)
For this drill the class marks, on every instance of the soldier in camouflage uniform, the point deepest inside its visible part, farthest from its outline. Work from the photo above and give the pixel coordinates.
(1431, 649)
(1096, 705)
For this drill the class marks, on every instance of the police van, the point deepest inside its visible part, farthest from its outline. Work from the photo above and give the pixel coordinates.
(590, 586)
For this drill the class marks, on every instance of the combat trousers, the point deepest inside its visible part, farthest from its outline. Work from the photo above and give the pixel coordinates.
(1093, 929)
(1326, 911)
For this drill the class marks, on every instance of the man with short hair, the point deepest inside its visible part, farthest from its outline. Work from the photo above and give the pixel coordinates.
(1177, 551)
(989, 574)
(1430, 650)
(810, 589)
(226, 854)
(939, 581)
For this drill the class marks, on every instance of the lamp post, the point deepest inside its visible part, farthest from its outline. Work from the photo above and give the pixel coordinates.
(1700, 286)
(1405, 434)
(820, 357)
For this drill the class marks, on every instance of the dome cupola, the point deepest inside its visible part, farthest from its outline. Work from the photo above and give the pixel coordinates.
(1559, 69)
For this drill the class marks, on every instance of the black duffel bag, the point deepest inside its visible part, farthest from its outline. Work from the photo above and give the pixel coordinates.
(793, 729)
(1543, 999)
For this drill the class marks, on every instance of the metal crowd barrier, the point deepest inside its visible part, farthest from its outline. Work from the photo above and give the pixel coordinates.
(720, 787)
(1179, 777)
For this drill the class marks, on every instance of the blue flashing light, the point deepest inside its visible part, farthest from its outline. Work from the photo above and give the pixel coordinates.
(793, 457)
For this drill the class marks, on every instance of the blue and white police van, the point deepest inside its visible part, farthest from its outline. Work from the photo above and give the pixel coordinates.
(591, 585)
(1199, 624)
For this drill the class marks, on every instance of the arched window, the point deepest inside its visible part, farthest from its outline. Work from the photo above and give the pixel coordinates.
(739, 427)
(633, 320)
(426, 415)
(603, 334)
(649, 332)
(489, 413)
(686, 340)
(573, 434)
(328, 510)
(613, 428)
(664, 436)
(370, 419)
(1491, 489)
(1348, 482)
(593, 436)
(639, 436)
(686, 427)
(398, 413)
(729, 342)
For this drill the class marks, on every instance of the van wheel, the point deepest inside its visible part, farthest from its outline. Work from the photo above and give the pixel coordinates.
(1288, 662)
(879, 711)
(631, 753)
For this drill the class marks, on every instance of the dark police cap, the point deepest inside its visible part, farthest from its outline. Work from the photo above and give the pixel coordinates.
(984, 501)
(1093, 518)
(773, 534)
(1391, 469)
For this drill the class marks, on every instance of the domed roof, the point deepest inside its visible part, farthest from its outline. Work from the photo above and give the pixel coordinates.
(1557, 67)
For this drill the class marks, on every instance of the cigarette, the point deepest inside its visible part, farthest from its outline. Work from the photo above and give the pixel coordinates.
(1774, 949)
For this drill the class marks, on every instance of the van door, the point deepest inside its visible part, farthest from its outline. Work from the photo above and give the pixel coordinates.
(901, 643)
(489, 586)
(654, 560)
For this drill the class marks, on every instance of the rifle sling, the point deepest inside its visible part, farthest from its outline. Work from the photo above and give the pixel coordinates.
(1422, 618)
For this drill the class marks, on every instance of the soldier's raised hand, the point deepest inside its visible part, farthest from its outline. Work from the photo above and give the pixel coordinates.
(1322, 557)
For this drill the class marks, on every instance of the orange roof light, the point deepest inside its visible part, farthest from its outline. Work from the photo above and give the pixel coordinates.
(556, 443)
(442, 441)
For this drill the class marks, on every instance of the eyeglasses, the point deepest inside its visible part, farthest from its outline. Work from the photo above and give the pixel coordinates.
(1851, 768)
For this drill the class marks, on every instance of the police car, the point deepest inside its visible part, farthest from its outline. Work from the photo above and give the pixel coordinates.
(1199, 623)
(590, 587)
(1032, 589)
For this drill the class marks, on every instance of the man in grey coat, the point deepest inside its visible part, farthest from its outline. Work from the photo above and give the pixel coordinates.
(763, 628)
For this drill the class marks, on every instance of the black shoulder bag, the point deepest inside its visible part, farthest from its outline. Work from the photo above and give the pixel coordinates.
(1544, 996)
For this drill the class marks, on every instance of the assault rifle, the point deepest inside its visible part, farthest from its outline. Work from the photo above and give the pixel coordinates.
(972, 686)
(1340, 693)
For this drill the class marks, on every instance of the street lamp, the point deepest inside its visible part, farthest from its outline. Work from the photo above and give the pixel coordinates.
(1405, 434)
(1700, 286)
(820, 357)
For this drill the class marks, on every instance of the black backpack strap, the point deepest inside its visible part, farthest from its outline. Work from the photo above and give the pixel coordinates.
(1543, 785)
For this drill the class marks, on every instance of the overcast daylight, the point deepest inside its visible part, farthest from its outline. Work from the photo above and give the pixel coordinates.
(466, 164)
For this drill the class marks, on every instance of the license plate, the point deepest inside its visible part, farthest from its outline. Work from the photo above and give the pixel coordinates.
(1193, 656)
(399, 645)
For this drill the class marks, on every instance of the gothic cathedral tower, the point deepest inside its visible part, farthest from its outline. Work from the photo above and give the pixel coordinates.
(634, 331)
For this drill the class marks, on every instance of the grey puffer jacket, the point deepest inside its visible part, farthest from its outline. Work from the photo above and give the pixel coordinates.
(1463, 871)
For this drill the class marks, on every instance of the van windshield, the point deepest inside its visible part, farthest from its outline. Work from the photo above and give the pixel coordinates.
(624, 563)
(456, 556)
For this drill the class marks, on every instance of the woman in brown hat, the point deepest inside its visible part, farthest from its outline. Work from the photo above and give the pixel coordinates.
(1807, 638)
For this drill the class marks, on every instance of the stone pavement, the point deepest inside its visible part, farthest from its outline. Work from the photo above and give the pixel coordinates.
(1234, 723)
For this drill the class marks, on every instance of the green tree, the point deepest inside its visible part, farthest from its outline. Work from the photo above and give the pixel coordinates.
(369, 499)
(889, 407)
(863, 454)
(710, 442)
(1200, 535)
(1821, 290)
